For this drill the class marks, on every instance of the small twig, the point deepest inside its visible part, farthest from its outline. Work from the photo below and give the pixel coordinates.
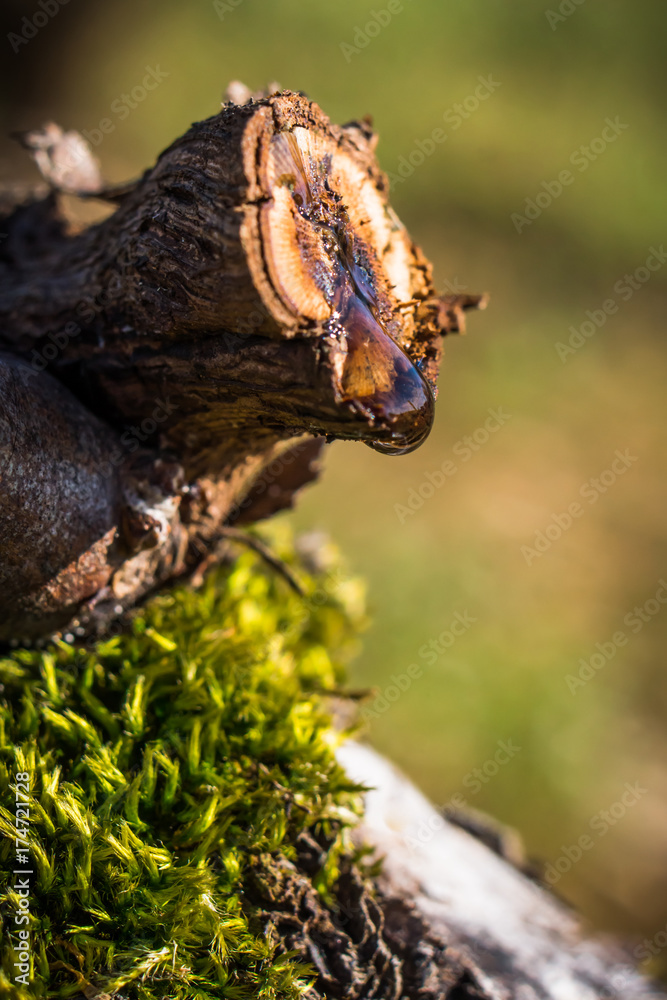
(451, 310)
(64, 159)
(269, 557)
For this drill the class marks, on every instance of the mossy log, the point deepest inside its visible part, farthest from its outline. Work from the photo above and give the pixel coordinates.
(250, 297)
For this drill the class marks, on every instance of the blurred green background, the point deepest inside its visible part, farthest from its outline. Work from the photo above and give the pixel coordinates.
(559, 72)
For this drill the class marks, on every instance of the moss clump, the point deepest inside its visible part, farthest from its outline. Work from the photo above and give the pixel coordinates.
(165, 765)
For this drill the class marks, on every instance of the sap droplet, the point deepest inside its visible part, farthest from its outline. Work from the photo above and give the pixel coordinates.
(380, 377)
(377, 373)
(377, 377)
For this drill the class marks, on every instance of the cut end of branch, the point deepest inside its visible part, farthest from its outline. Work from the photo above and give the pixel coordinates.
(251, 296)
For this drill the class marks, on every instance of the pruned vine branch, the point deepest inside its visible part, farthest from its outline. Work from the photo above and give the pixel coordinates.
(178, 366)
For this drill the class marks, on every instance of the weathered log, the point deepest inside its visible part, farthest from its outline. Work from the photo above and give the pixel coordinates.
(251, 296)
(451, 904)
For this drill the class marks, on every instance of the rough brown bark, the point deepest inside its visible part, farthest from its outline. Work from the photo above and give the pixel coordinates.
(251, 296)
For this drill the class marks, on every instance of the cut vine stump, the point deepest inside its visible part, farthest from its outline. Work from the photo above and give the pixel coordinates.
(178, 366)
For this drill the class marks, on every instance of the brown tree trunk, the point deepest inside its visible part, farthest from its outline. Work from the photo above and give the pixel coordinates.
(252, 295)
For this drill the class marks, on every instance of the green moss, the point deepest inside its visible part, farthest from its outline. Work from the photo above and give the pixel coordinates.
(165, 764)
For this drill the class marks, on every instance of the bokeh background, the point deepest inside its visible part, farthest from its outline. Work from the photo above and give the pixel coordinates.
(558, 73)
